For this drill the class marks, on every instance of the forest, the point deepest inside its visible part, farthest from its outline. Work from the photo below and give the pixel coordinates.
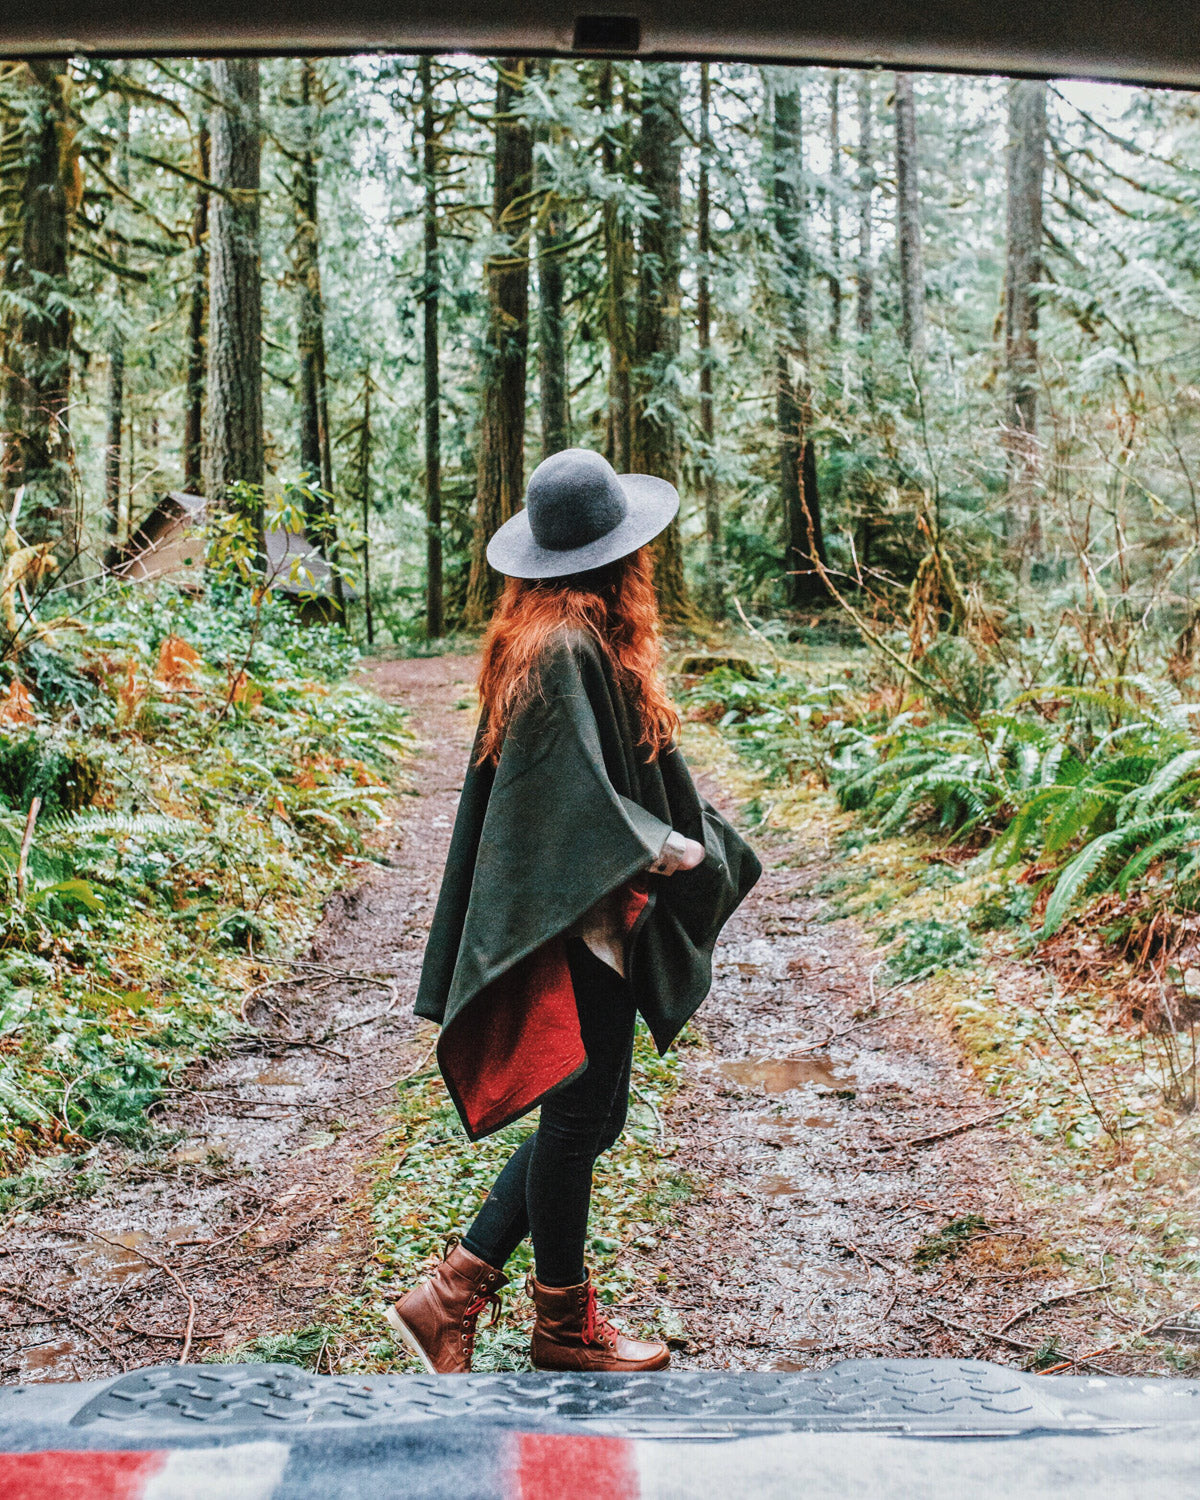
(921, 354)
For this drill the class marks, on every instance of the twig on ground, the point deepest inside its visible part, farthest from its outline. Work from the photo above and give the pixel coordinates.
(1083, 1291)
(845, 1031)
(944, 1135)
(55, 1315)
(1139, 1333)
(653, 1108)
(161, 1265)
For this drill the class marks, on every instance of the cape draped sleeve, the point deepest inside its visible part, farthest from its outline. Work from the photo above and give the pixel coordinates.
(538, 840)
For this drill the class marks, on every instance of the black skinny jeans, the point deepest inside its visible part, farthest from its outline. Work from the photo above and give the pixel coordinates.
(545, 1188)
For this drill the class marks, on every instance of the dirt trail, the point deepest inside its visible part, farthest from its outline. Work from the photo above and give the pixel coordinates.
(799, 1248)
(796, 1249)
(249, 1211)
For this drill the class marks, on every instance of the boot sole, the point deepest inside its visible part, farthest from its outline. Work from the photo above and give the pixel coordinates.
(408, 1338)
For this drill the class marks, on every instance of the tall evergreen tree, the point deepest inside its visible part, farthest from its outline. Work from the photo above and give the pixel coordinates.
(1023, 271)
(656, 429)
(435, 617)
(193, 417)
(316, 463)
(234, 451)
(835, 207)
(116, 353)
(865, 163)
(908, 221)
(41, 187)
(800, 502)
(618, 276)
(500, 477)
(552, 342)
(714, 590)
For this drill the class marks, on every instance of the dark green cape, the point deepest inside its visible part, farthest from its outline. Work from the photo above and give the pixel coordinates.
(573, 811)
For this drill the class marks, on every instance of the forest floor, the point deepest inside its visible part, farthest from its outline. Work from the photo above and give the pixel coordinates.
(849, 1188)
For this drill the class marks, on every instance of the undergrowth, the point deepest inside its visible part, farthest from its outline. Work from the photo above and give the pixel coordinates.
(180, 784)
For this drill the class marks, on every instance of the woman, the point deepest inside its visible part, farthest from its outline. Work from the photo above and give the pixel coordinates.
(586, 881)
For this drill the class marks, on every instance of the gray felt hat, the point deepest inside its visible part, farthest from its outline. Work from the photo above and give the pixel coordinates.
(580, 514)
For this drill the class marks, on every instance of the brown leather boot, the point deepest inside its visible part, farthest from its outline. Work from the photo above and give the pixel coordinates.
(437, 1319)
(570, 1334)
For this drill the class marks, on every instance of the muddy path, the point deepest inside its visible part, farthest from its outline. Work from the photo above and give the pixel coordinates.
(853, 1188)
(829, 1133)
(245, 1226)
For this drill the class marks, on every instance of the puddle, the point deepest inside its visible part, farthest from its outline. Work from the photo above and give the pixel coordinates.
(50, 1361)
(845, 1275)
(777, 1187)
(791, 1132)
(792, 1364)
(118, 1261)
(776, 1075)
(277, 1078)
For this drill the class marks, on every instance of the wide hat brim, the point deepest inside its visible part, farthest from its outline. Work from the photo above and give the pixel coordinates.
(652, 504)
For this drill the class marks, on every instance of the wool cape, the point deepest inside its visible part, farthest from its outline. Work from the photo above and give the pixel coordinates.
(574, 811)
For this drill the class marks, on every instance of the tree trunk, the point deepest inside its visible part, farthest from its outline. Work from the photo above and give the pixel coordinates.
(43, 187)
(865, 311)
(908, 222)
(364, 484)
(193, 417)
(501, 473)
(714, 591)
(1023, 270)
(618, 266)
(235, 412)
(116, 359)
(315, 458)
(835, 209)
(793, 391)
(655, 432)
(435, 610)
(552, 344)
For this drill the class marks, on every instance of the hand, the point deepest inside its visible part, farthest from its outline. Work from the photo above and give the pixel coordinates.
(692, 856)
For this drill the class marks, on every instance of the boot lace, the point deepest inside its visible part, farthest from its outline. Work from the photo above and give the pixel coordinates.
(596, 1329)
(471, 1317)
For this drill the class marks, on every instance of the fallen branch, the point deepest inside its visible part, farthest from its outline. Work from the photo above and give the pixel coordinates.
(1083, 1291)
(53, 1315)
(1138, 1333)
(944, 1135)
(159, 1265)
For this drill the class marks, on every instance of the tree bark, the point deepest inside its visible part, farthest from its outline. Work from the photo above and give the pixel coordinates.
(235, 411)
(501, 471)
(793, 392)
(315, 458)
(43, 185)
(655, 430)
(116, 359)
(193, 417)
(908, 222)
(835, 209)
(364, 482)
(714, 590)
(552, 343)
(865, 309)
(618, 267)
(435, 609)
(1023, 270)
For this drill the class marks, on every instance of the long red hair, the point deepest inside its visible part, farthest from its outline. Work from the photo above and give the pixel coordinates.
(616, 605)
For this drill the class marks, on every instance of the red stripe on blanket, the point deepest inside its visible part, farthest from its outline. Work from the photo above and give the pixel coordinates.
(77, 1476)
(552, 1466)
